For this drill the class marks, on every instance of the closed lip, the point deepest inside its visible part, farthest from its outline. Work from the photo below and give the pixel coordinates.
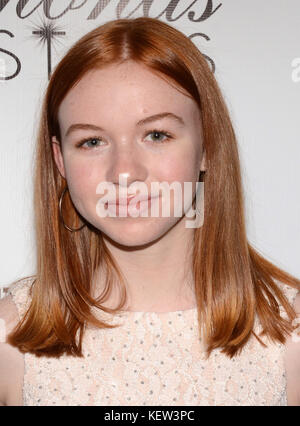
(126, 201)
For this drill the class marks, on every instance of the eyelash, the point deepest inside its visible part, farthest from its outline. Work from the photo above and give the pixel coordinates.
(163, 132)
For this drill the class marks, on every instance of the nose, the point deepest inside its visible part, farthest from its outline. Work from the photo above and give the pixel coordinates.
(127, 166)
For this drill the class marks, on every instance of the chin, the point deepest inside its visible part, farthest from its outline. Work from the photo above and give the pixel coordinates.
(135, 232)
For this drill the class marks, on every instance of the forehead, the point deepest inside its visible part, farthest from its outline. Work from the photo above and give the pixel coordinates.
(125, 91)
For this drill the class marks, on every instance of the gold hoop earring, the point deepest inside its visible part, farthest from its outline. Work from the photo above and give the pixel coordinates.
(61, 216)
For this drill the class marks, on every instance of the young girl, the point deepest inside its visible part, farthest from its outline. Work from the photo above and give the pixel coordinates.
(128, 309)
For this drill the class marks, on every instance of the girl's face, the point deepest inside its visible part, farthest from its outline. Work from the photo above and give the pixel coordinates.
(111, 110)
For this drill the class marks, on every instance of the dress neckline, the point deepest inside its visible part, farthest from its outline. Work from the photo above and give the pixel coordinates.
(182, 312)
(134, 316)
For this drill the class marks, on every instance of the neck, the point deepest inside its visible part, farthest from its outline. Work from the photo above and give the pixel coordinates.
(158, 275)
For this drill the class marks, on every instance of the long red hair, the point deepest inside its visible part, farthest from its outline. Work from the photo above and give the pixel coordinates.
(233, 282)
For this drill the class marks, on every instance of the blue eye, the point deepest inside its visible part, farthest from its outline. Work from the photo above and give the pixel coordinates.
(160, 137)
(160, 132)
(85, 141)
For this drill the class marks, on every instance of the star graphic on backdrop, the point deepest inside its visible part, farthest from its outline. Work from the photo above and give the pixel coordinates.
(46, 33)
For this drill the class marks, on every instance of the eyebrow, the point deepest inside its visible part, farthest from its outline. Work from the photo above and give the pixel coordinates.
(155, 117)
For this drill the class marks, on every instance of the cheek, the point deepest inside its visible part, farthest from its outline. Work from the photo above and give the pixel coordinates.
(82, 177)
(179, 167)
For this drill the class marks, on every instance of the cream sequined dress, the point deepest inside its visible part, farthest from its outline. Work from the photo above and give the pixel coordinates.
(153, 359)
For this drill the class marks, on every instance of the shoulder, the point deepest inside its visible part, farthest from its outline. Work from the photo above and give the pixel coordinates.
(290, 293)
(292, 358)
(9, 317)
(20, 292)
(12, 307)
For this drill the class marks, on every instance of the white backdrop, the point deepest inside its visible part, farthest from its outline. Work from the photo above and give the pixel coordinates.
(255, 47)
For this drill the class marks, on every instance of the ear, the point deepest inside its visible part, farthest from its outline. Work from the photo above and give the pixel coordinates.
(203, 162)
(58, 157)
